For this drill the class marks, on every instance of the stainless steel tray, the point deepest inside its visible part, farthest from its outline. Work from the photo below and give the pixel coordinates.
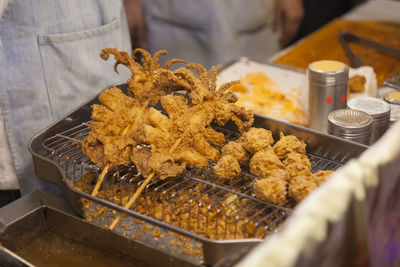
(39, 213)
(325, 152)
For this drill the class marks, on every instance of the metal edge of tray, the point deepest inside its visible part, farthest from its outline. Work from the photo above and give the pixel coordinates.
(224, 66)
(318, 143)
(40, 212)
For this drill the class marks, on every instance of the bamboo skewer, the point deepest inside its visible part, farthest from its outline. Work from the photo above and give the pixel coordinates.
(100, 180)
(131, 200)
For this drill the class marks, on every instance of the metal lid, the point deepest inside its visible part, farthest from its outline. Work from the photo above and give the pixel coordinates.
(328, 72)
(393, 97)
(375, 107)
(349, 120)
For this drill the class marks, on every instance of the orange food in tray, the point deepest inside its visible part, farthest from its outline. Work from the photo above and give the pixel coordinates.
(263, 96)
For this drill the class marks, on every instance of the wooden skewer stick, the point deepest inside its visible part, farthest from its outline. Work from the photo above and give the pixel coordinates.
(100, 180)
(131, 200)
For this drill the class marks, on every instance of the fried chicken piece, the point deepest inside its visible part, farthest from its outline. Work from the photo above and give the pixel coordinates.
(357, 83)
(257, 139)
(227, 167)
(271, 189)
(166, 164)
(236, 150)
(288, 144)
(264, 163)
(202, 146)
(214, 137)
(321, 176)
(300, 187)
(297, 169)
(294, 157)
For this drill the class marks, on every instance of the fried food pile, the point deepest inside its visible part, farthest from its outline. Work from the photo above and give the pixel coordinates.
(283, 167)
(128, 129)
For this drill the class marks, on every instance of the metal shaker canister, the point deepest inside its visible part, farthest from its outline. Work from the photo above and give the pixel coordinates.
(393, 98)
(350, 124)
(327, 91)
(378, 109)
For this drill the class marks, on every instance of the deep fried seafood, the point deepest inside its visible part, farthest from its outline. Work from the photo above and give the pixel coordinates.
(105, 144)
(169, 142)
(321, 176)
(297, 169)
(227, 167)
(236, 150)
(288, 144)
(257, 139)
(300, 187)
(148, 82)
(271, 189)
(294, 157)
(264, 163)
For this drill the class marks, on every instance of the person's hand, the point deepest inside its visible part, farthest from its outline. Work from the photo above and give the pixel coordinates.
(288, 14)
(135, 18)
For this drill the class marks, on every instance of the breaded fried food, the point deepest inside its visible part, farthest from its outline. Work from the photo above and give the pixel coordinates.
(294, 157)
(297, 169)
(264, 163)
(300, 187)
(257, 139)
(227, 167)
(288, 144)
(321, 176)
(236, 150)
(357, 83)
(271, 189)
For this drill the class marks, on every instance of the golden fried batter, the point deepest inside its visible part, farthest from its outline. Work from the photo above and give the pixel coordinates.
(357, 83)
(294, 157)
(271, 189)
(298, 169)
(169, 142)
(300, 187)
(264, 162)
(236, 150)
(288, 144)
(257, 139)
(321, 176)
(227, 167)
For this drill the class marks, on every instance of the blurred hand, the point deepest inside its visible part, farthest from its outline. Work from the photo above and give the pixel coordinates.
(136, 24)
(288, 14)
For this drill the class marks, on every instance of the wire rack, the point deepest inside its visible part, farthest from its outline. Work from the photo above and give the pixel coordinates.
(194, 202)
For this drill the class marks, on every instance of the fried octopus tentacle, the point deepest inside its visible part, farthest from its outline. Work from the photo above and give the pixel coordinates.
(171, 62)
(223, 88)
(203, 74)
(213, 79)
(154, 65)
(121, 57)
(146, 58)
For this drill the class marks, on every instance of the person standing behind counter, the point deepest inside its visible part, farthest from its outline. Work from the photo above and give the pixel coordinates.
(211, 32)
(49, 58)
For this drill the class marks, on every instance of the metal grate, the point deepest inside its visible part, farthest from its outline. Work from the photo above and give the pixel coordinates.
(195, 201)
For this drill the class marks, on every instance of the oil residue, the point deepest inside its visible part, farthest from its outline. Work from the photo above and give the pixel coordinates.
(53, 250)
